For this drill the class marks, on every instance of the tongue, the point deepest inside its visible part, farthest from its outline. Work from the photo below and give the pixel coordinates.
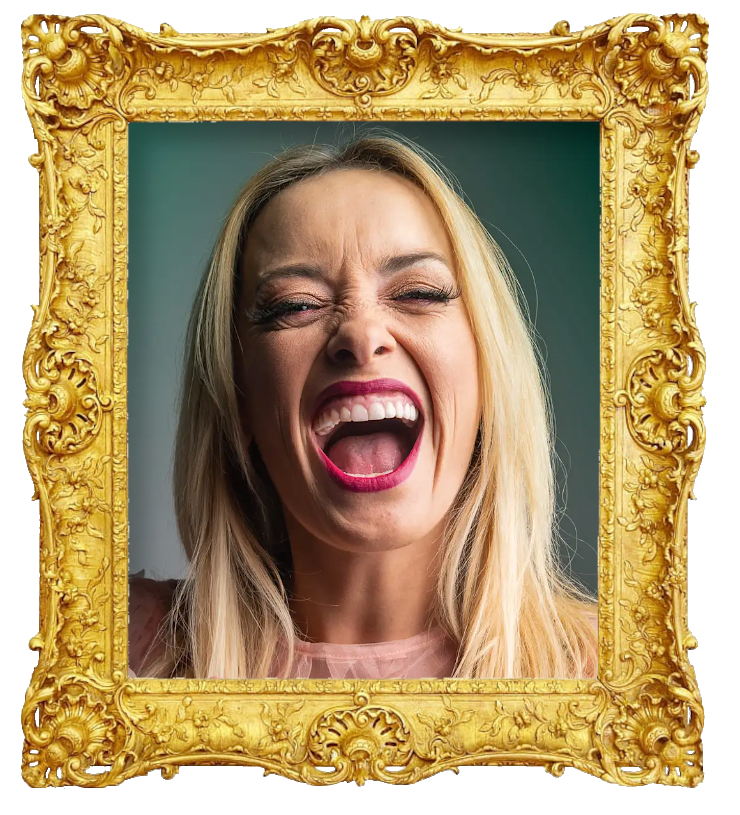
(364, 455)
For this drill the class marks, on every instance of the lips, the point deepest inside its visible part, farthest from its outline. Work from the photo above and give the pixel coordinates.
(368, 433)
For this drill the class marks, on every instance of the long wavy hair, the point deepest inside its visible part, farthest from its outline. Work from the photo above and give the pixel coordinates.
(502, 595)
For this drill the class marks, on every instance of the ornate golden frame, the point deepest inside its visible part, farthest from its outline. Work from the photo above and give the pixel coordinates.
(644, 79)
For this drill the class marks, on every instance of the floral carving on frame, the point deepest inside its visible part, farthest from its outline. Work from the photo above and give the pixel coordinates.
(644, 79)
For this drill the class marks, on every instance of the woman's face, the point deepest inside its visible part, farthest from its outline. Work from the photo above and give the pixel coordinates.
(358, 366)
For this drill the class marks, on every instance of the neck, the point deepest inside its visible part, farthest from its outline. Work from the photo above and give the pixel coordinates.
(352, 597)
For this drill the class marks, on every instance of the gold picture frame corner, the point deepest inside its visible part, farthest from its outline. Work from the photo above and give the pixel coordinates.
(644, 79)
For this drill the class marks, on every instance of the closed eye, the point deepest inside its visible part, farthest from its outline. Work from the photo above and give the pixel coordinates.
(262, 315)
(443, 295)
(269, 314)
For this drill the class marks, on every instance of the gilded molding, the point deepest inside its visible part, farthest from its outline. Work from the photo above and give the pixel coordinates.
(84, 79)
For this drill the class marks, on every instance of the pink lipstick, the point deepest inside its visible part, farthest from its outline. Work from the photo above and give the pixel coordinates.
(371, 483)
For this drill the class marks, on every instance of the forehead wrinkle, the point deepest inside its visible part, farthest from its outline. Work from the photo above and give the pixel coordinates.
(328, 239)
(269, 256)
(284, 225)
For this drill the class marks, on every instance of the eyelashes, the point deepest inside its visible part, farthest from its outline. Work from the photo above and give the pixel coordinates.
(442, 295)
(260, 315)
(419, 297)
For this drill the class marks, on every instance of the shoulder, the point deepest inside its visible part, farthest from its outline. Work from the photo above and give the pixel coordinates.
(149, 603)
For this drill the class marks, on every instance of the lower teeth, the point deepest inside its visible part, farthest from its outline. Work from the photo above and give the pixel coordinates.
(371, 475)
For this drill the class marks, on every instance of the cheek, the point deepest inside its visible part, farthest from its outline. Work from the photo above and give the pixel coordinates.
(275, 374)
(468, 365)
(454, 367)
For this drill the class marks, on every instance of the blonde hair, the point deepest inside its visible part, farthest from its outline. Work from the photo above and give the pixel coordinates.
(502, 595)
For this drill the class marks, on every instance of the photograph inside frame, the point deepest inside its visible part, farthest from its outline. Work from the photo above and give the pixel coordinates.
(363, 389)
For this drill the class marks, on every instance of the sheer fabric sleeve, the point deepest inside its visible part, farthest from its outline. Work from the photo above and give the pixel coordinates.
(149, 603)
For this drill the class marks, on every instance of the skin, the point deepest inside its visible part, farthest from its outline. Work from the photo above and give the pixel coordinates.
(365, 564)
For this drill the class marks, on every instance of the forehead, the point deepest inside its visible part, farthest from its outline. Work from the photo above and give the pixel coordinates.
(345, 215)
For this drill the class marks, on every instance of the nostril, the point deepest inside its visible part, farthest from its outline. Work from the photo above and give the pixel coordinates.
(344, 355)
(381, 350)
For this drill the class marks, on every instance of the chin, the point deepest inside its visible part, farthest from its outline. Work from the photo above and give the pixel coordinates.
(364, 534)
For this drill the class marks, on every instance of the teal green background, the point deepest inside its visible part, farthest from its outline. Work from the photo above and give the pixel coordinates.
(535, 186)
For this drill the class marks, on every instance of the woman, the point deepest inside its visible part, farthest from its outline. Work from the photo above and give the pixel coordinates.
(363, 467)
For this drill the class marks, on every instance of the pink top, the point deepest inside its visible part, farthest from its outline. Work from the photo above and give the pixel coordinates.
(427, 655)
(430, 654)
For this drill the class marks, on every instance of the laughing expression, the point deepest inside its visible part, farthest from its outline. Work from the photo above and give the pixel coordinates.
(358, 367)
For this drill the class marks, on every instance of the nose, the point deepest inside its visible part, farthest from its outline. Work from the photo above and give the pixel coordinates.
(361, 335)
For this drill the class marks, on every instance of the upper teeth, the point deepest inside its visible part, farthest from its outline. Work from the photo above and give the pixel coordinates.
(392, 407)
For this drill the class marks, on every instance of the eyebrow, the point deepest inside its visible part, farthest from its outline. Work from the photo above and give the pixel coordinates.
(397, 263)
(289, 270)
(388, 265)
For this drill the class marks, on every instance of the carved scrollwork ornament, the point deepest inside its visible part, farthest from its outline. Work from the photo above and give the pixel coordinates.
(664, 402)
(659, 734)
(360, 742)
(85, 79)
(66, 407)
(67, 66)
(364, 59)
(654, 66)
(70, 726)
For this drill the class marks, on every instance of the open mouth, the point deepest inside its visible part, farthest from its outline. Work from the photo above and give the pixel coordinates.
(368, 436)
